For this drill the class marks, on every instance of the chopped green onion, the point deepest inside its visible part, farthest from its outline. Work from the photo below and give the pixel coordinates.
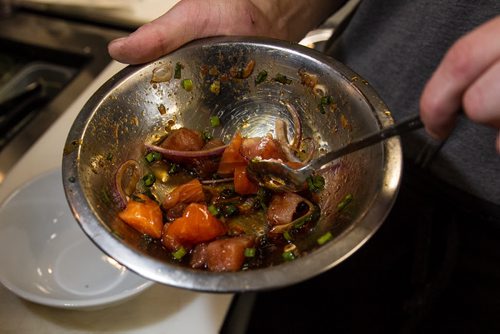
(207, 136)
(282, 79)
(177, 70)
(153, 156)
(215, 87)
(316, 183)
(263, 197)
(150, 194)
(179, 253)
(301, 221)
(325, 101)
(288, 256)
(325, 238)
(344, 202)
(187, 84)
(214, 121)
(148, 179)
(109, 157)
(214, 211)
(137, 199)
(229, 210)
(287, 236)
(261, 77)
(249, 252)
(174, 168)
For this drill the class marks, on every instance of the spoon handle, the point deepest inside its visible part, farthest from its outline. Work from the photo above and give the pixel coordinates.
(407, 125)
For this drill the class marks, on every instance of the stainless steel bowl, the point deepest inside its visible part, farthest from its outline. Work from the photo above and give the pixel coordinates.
(125, 113)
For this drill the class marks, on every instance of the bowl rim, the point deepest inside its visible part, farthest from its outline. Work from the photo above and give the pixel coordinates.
(288, 273)
(93, 301)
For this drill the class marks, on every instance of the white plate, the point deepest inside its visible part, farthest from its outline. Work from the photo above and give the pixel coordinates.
(46, 258)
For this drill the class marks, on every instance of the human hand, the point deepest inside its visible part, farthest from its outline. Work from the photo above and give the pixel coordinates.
(192, 19)
(467, 78)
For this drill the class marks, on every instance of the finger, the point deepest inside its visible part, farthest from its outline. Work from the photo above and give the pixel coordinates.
(481, 101)
(498, 142)
(466, 60)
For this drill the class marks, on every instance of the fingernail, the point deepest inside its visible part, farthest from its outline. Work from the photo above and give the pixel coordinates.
(118, 40)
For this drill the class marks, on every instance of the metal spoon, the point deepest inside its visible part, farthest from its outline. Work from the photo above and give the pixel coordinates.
(274, 174)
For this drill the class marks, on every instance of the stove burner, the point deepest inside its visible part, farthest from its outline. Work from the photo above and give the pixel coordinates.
(26, 92)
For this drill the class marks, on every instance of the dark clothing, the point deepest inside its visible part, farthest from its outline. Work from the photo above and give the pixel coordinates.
(434, 265)
(396, 45)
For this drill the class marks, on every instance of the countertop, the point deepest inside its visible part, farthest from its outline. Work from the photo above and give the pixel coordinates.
(125, 13)
(160, 309)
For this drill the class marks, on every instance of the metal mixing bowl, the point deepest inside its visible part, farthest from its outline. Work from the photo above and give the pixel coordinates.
(125, 113)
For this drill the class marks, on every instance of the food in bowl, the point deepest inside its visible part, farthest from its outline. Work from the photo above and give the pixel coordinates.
(192, 192)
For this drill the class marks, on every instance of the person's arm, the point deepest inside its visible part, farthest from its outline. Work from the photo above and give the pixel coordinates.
(192, 19)
(468, 78)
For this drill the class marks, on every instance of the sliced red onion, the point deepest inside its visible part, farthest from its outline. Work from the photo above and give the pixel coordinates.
(217, 181)
(130, 187)
(281, 136)
(167, 153)
(162, 73)
(309, 150)
(297, 125)
(320, 90)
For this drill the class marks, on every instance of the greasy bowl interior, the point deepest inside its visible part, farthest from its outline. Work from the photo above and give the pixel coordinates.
(125, 113)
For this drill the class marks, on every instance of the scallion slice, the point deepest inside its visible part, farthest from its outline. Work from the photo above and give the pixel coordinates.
(316, 183)
(344, 202)
(178, 70)
(179, 253)
(229, 210)
(174, 168)
(283, 79)
(214, 211)
(288, 256)
(187, 84)
(261, 77)
(214, 121)
(215, 87)
(325, 238)
(153, 156)
(148, 179)
(249, 252)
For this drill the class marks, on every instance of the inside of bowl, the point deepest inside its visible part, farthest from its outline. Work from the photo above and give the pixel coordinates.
(133, 110)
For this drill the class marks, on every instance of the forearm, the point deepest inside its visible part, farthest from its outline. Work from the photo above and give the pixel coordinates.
(292, 19)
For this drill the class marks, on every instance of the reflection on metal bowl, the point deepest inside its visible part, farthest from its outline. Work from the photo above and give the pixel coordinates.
(124, 114)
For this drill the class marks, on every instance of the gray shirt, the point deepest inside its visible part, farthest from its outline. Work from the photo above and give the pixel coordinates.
(396, 45)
